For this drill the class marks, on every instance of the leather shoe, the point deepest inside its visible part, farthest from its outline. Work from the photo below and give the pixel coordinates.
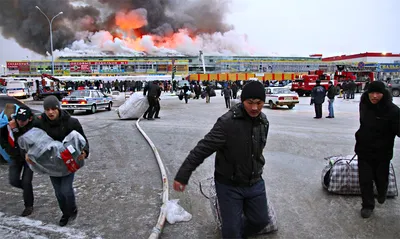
(27, 211)
(381, 199)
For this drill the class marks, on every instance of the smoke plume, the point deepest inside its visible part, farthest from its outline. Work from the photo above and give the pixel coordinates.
(122, 27)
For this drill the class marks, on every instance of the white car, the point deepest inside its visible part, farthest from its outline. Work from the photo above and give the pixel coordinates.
(278, 96)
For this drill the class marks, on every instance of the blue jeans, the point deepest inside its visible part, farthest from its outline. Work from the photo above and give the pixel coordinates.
(244, 210)
(64, 193)
(330, 107)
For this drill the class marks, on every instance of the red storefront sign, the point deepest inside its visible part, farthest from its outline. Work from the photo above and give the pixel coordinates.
(79, 66)
(18, 65)
(109, 63)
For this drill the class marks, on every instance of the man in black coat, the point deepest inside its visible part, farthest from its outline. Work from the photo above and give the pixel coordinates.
(58, 124)
(153, 92)
(379, 125)
(318, 98)
(239, 137)
(18, 167)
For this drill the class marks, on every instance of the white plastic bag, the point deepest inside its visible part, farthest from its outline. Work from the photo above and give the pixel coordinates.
(52, 157)
(134, 107)
(174, 212)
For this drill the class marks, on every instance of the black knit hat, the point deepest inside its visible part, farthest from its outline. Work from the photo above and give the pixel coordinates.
(51, 102)
(23, 113)
(376, 86)
(253, 90)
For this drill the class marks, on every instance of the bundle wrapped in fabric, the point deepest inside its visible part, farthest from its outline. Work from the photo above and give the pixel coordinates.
(340, 176)
(134, 107)
(52, 157)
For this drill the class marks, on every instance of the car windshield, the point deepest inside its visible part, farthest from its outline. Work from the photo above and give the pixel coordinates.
(80, 93)
(281, 91)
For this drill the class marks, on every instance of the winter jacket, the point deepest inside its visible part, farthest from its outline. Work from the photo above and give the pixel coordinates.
(227, 93)
(331, 92)
(58, 129)
(318, 94)
(14, 151)
(379, 125)
(239, 141)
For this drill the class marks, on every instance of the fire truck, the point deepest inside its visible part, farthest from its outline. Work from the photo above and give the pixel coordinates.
(360, 74)
(49, 85)
(305, 83)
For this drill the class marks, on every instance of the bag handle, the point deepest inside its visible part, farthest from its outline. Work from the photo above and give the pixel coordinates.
(352, 159)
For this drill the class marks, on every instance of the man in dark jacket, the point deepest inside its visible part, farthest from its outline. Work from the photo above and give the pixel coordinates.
(152, 96)
(227, 93)
(234, 90)
(208, 92)
(379, 125)
(318, 94)
(9, 137)
(186, 92)
(239, 137)
(331, 98)
(58, 124)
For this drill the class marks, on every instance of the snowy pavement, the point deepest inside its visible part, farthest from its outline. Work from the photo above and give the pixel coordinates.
(118, 191)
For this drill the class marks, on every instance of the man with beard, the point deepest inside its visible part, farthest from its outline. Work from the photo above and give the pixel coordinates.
(379, 125)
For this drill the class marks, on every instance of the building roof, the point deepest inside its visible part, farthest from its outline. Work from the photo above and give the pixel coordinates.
(360, 55)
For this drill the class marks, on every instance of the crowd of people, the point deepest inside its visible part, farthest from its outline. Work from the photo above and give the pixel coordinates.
(238, 171)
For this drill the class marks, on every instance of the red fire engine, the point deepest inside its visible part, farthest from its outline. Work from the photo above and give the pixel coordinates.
(359, 74)
(305, 84)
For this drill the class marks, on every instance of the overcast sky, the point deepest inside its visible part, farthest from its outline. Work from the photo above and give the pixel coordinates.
(299, 27)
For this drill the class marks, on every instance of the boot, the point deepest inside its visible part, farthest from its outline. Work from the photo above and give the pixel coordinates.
(27, 211)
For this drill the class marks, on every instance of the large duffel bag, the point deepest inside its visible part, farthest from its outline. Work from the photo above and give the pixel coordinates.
(207, 188)
(340, 176)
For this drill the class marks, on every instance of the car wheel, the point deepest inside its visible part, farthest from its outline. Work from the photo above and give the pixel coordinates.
(92, 110)
(71, 112)
(291, 106)
(396, 93)
(109, 106)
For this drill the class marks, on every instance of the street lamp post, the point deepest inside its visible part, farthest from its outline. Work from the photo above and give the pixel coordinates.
(51, 36)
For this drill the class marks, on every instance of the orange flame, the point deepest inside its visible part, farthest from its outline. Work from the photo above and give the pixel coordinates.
(132, 23)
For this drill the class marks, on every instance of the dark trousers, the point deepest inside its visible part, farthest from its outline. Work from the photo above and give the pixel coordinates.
(152, 104)
(157, 108)
(244, 210)
(65, 193)
(228, 102)
(186, 96)
(372, 169)
(234, 94)
(25, 183)
(318, 110)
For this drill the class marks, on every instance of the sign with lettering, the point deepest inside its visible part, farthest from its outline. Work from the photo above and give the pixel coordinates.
(390, 67)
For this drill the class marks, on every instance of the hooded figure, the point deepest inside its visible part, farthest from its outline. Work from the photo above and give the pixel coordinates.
(379, 125)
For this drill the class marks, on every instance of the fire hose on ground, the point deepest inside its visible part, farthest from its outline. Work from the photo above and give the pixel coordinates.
(157, 229)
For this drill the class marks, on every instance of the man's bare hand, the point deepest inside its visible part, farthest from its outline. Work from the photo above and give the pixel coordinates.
(82, 156)
(12, 124)
(28, 160)
(179, 186)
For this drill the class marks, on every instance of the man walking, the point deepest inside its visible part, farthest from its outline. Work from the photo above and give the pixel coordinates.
(153, 91)
(58, 124)
(239, 137)
(9, 140)
(318, 94)
(379, 125)
(227, 93)
(331, 98)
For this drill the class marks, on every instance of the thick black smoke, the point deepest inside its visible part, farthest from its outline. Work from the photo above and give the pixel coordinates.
(19, 19)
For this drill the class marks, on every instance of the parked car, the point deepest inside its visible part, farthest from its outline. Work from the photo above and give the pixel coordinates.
(279, 96)
(89, 100)
(394, 87)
